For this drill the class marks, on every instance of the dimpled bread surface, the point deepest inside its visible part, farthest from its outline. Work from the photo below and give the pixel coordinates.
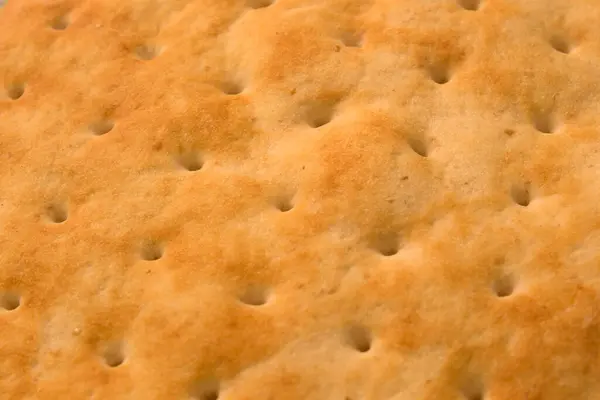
(300, 199)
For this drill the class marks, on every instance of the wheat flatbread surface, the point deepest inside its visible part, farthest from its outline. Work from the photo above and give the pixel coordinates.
(300, 199)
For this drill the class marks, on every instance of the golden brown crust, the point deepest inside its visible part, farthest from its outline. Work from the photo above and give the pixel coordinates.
(341, 199)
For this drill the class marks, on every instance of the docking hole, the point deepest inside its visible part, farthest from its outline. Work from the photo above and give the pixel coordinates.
(544, 122)
(439, 74)
(113, 354)
(471, 5)
(190, 161)
(504, 286)
(57, 213)
(146, 52)
(101, 127)
(560, 44)
(358, 337)
(206, 389)
(473, 390)
(259, 3)
(418, 145)
(319, 114)
(15, 90)
(386, 244)
(232, 88)
(474, 396)
(59, 23)
(521, 195)
(284, 204)
(10, 301)
(151, 251)
(255, 295)
(351, 39)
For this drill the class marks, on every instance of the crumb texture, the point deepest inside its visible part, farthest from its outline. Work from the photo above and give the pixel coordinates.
(300, 199)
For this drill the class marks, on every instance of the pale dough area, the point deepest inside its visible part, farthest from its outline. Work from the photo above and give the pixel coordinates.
(300, 199)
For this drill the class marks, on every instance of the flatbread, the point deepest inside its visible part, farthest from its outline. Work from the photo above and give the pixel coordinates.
(300, 199)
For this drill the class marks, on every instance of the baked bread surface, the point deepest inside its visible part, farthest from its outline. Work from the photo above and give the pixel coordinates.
(299, 199)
